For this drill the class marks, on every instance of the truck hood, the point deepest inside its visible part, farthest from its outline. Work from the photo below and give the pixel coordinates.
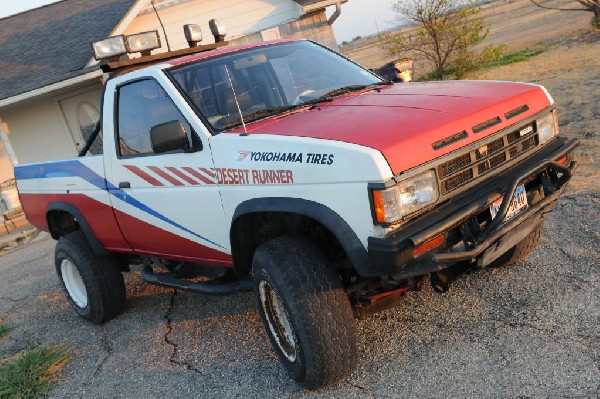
(413, 123)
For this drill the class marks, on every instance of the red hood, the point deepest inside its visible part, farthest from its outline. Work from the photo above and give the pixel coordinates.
(402, 121)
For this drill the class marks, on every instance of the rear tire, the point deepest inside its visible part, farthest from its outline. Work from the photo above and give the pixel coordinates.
(94, 285)
(305, 311)
(522, 249)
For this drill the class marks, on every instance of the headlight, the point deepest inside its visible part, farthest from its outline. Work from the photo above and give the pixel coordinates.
(547, 127)
(395, 203)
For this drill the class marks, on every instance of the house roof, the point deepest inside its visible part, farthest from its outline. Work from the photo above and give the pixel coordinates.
(50, 44)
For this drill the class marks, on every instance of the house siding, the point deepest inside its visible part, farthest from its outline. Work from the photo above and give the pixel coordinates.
(38, 132)
(241, 18)
(313, 26)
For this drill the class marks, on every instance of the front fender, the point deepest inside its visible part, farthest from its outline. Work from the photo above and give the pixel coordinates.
(357, 253)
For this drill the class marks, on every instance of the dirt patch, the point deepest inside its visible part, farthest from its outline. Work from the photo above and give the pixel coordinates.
(571, 73)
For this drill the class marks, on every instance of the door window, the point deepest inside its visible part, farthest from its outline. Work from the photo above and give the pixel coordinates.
(141, 106)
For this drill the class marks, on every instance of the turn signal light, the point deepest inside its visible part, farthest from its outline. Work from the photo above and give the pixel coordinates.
(378, 206)
(433, 243)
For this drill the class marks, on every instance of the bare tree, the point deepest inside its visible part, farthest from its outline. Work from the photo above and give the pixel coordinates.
(588, 5)
(445, 33)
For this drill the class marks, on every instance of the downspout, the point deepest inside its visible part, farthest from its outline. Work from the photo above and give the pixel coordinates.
(336, 13)
(7, 146)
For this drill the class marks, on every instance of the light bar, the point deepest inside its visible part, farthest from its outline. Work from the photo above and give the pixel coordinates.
(143, 42)
(218, 30)
(109, 48)
(193, 34)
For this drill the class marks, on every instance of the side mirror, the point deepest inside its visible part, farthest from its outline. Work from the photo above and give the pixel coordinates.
(169, 136)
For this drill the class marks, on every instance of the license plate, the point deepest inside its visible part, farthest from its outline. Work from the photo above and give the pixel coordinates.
(517, 205)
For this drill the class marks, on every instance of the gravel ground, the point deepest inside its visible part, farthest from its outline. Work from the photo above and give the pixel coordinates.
(531, 330)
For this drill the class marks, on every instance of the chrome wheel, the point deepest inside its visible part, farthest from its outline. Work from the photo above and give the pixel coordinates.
(74, 283)
(278, 321)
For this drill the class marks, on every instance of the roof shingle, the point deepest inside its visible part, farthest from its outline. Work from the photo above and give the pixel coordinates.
(52, 43)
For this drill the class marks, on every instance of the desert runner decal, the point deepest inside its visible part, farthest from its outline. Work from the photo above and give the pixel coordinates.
(298, 157)
(186, 176)
(254, 176)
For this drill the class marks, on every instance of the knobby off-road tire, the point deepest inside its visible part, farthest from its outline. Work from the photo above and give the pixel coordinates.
(305, 311)
(522, 249)
(94, 285)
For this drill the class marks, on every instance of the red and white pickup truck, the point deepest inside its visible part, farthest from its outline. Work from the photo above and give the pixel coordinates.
(305, 178)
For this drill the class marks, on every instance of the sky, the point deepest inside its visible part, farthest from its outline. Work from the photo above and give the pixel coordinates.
(358, 18)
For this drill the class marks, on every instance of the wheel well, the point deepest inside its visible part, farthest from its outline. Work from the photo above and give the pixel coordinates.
(251, 230)
(61, 223)
(64, 218)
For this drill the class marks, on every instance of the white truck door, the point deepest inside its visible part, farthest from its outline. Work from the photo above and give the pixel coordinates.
(166, 199)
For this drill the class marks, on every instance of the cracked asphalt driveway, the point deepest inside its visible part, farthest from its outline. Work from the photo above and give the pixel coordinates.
(532, 330)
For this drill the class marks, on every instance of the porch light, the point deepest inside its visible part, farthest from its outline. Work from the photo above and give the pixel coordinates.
(218, 30)
(143, 42)
(112, 47)
(193, 34)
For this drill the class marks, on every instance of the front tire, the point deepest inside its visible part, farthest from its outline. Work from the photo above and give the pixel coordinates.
(522, 249)
(305, 311)
(94, 285)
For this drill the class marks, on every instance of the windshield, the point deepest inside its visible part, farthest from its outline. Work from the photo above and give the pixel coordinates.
(268, 80)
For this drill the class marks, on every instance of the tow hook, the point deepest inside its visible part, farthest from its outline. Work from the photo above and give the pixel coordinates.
(440, 281)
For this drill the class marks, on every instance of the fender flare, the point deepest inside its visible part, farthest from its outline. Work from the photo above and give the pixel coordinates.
(96, 245)
(357, 253)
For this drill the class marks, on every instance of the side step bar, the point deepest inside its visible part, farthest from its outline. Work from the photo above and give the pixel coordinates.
(211, 287)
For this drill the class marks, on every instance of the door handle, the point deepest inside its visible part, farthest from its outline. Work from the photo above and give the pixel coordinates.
(124, 184)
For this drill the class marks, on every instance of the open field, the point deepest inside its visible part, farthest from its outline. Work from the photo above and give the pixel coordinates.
(516, 23)
(530, 330)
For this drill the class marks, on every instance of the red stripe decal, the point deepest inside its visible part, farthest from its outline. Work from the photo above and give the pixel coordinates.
(180, 174)
(208, 172)
(144, 175)
(165, 175)
(198, 175)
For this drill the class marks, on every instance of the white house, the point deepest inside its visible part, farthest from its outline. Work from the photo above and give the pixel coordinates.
(50, 87)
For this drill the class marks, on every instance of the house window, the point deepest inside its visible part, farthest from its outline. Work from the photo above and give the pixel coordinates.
(88, 116)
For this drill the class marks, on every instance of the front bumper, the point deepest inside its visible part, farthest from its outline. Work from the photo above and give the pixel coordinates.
(469, 233)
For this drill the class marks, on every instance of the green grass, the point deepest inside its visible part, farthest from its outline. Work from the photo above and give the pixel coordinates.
(4, 330)
(30, 374)
(516, 56)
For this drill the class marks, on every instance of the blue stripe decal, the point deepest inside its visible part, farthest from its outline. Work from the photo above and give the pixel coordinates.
(74, 168)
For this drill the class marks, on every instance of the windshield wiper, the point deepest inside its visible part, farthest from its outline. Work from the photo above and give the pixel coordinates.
(263, 113)
(352, 88)
(344, 90)
(267, 112)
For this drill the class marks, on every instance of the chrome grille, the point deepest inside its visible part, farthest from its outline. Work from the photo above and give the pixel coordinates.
(469, 166)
